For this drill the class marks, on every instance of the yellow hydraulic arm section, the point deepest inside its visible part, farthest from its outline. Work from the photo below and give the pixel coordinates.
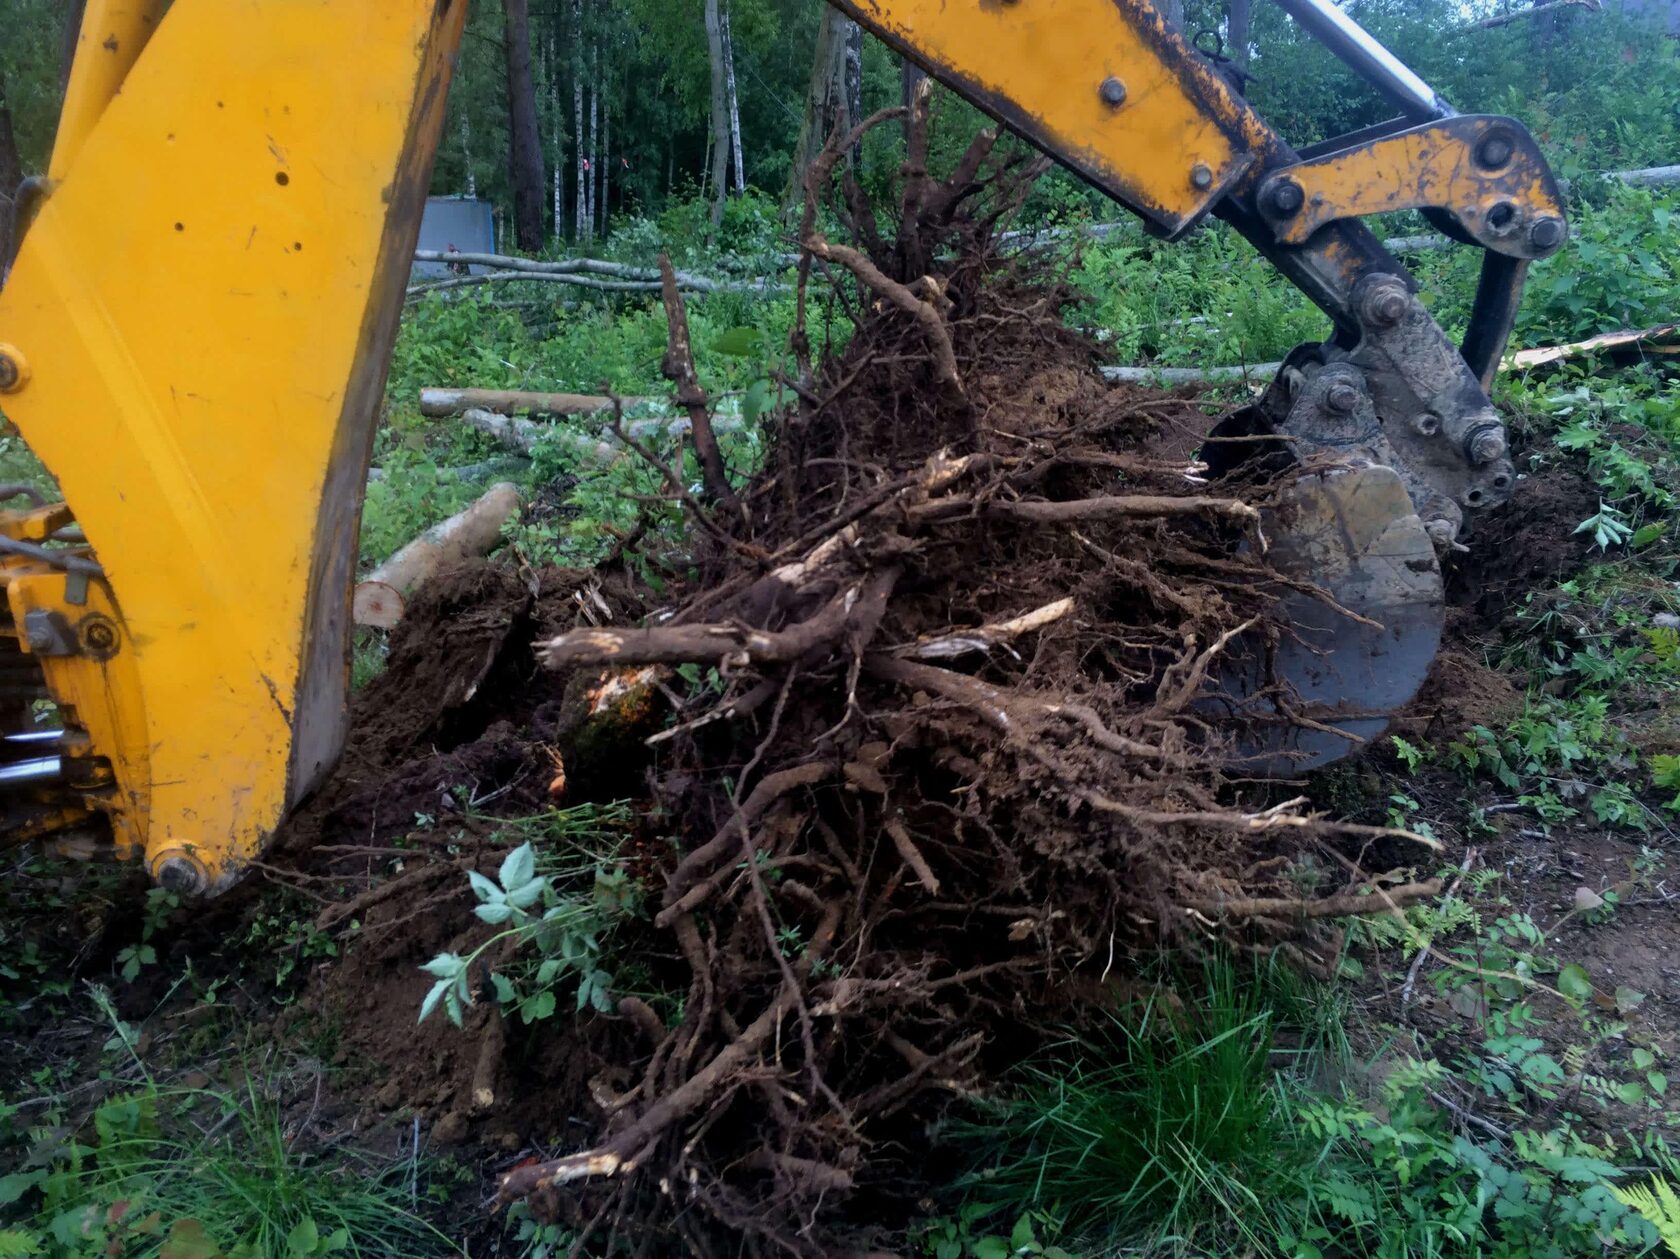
(195, 335)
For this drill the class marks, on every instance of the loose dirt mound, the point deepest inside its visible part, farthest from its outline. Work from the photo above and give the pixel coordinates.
(1526, 545)
(936, 774)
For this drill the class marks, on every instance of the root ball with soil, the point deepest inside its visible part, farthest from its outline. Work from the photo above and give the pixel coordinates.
(945, 775)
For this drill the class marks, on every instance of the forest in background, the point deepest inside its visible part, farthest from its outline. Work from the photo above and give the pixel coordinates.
(568, 114)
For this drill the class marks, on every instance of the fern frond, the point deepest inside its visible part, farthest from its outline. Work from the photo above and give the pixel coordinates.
(16, 1244)
(1659, 1203)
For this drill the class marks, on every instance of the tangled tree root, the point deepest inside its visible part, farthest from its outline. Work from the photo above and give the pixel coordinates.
(954, 770)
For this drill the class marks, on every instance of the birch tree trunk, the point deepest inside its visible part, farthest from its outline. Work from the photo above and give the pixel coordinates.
(854, 73)
(466, 155)
(854, 84)
(579, 203)
(822, 101)
(524, 149)
(734, 104)
(606, 162)
(556, 126)
(594, 129)
(720, 112)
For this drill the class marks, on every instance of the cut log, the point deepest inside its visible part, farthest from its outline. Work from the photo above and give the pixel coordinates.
(596, 447)
(379, 601)
(509, 430)
(501, 466)
(441, 402)
(1415, 244)
(1648, 177)
(1235, 374)
(1662, 339)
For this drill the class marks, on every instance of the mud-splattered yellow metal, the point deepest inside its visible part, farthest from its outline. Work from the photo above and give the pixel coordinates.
(1486, 170)
(1106, 86)
(205, 302)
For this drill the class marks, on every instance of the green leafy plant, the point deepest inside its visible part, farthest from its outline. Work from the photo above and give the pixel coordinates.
(160, 903)
(1657, 1200)
(561, 944)
(1412, 756)
(1607, 526)
(968, 1235)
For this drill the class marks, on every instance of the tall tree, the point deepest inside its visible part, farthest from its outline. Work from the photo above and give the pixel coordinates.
(525, 159)
(720, 110)
(825, 99)
(580, 201)
(594, 128)
(854, 86)
(466, 155)
(734, 104)
(1236, 33)
(72, 32)
(555, 124)
(606, 161)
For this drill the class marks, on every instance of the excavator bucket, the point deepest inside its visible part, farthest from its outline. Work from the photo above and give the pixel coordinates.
(1359, 618)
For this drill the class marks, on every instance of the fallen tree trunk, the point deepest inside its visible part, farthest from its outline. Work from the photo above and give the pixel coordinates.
(502, 465)
(620, 277)
(1234, 374)
(577, 281)
(1503, 19)
(1648, 177)
(535, 266)
(442, 402)
(380, 600)
(1662, 339)
(598, 447)
(1653, 340)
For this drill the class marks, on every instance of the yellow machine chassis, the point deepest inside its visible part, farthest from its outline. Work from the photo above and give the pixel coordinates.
(197, 330)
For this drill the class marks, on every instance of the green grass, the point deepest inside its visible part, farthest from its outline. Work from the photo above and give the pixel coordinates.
(1166, 1127)
(1235, 1120)
(205, 1174)
(199, 1173)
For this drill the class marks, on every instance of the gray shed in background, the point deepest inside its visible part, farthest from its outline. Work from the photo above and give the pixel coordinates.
(464, 223)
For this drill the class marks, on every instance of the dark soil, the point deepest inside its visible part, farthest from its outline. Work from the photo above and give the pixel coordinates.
(1463, 688)
(1527, 544)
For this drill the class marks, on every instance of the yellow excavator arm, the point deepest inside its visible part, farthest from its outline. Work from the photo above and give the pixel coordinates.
(195, 333)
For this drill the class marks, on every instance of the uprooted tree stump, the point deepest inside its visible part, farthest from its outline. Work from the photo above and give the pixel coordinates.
(958, 771)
